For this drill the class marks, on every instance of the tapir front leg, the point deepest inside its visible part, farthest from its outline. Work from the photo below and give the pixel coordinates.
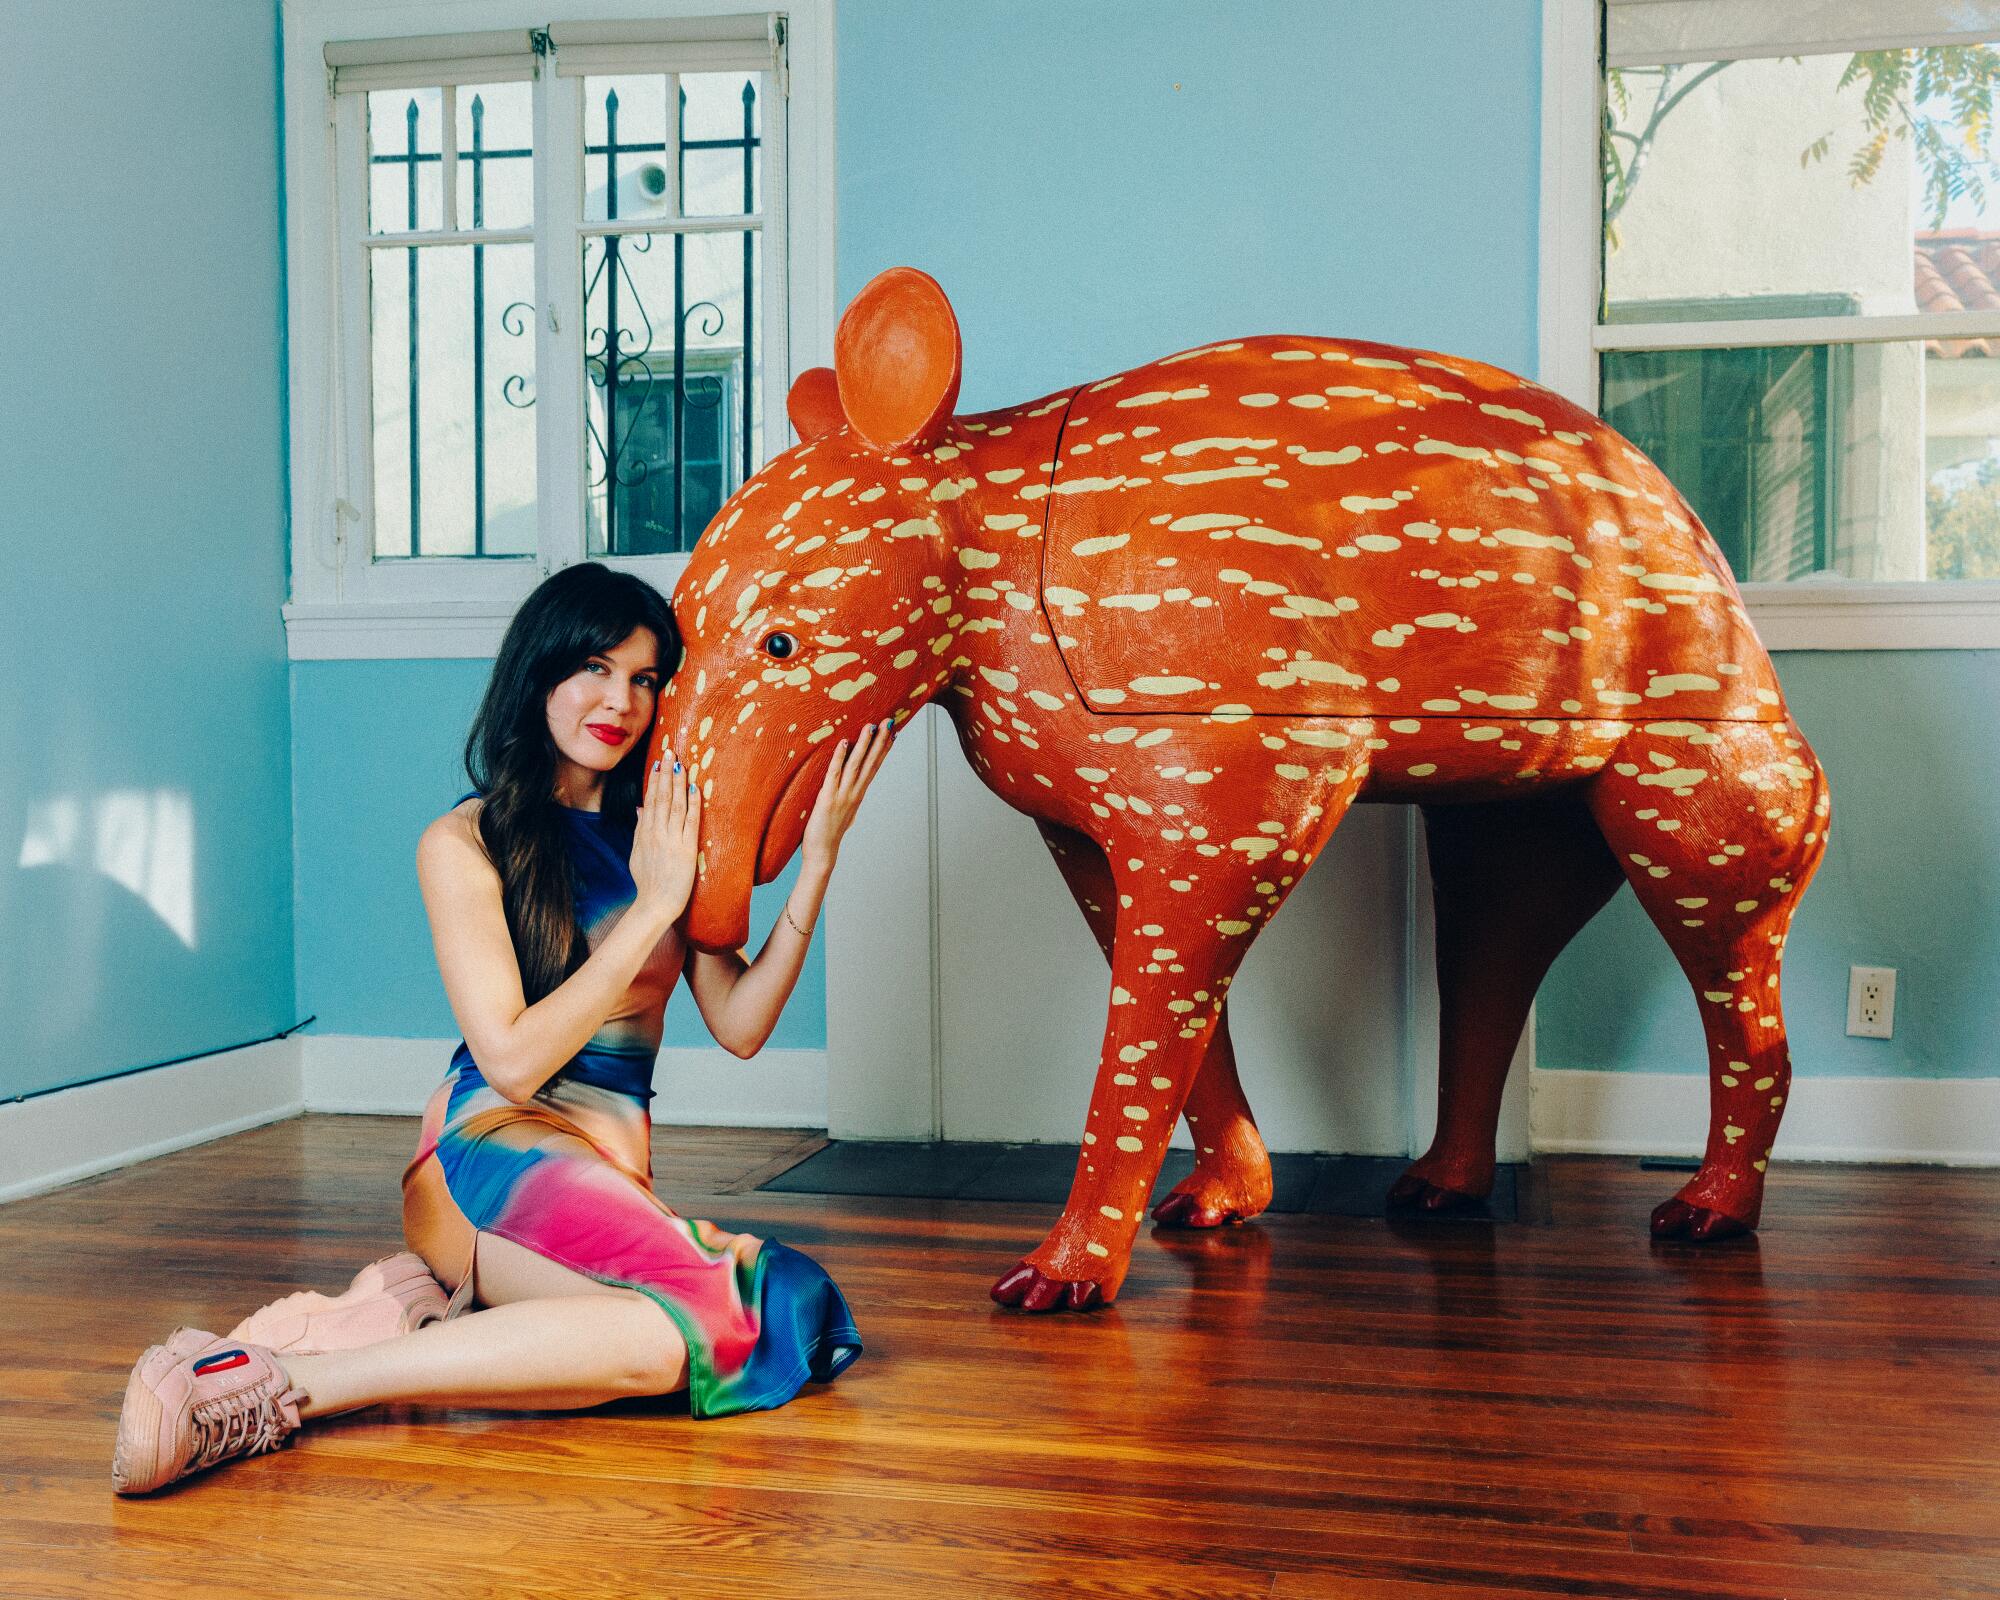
(1231, 1181)
(1166, 999)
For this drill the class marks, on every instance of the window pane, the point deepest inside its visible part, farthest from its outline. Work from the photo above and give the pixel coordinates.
(638, 502)
(452, 346)
(1875, 462)
(624, 148)
(496, 150)
(721, 124)
(712, 104)
(1801, 187)
(1962, 459)
(405, 159)
(626, 176)
(719, 183)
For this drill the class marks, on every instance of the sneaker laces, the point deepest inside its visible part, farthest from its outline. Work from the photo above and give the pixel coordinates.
(234, 1426)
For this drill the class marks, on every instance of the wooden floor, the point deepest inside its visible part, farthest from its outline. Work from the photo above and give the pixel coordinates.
(1311, 1407)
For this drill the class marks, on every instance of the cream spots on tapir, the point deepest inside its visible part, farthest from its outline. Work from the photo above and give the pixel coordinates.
(1192, 644)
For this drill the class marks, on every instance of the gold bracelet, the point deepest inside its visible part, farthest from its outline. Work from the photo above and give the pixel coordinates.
(803, 933)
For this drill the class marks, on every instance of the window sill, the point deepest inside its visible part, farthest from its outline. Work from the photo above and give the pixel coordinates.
(1875, 616)
(432, 631)
(1789, 616)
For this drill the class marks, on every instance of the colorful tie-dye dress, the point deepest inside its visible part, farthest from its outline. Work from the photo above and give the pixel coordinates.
(569, 1176)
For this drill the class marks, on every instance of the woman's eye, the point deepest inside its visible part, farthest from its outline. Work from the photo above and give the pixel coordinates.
(780, 645)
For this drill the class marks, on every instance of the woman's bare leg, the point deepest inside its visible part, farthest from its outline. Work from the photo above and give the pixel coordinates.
(549, 1340)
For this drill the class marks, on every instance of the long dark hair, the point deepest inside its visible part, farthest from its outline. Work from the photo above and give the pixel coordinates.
(580, 612)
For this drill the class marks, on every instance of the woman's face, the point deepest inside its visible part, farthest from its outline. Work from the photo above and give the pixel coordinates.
(605, 707)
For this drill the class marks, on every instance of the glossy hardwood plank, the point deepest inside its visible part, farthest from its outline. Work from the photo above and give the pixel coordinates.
(1309, 1407)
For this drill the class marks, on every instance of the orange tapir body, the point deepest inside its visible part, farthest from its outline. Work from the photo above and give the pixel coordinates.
(1183, 618)
(1343, 529)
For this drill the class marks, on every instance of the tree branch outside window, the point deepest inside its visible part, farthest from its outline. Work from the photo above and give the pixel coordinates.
(1938, 99)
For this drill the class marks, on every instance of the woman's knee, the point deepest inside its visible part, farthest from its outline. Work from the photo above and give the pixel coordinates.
(656, 1354)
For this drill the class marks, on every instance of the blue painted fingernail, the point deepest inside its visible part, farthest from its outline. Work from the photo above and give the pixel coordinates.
(677, 766)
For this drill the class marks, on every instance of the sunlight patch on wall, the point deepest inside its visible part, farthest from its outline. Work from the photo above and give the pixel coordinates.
(141, 838)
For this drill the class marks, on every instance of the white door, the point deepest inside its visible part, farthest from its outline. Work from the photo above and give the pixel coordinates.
(966, 997)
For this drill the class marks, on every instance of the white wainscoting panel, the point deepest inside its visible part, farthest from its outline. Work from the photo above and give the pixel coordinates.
(54, 1139)
(1949, 1121)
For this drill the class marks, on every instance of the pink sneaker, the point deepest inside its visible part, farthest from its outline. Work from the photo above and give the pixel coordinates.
(394, 1295)
(197, 1400)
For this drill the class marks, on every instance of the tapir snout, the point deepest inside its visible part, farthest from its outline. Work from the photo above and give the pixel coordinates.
(766, 806)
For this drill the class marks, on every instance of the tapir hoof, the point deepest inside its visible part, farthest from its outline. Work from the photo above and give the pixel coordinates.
(1676, 1219)
(1232, 1185)
(1189, 1211)
(1028, 1288)
(1410, 1193)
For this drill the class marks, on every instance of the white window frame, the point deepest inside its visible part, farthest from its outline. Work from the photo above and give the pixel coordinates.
(1820, 614)
(343, 604)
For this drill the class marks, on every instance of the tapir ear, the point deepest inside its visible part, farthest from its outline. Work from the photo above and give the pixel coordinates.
(814, 404)
(897, 354)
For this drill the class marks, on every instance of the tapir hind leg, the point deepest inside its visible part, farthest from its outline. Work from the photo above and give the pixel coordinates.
(1719, 827)
(1511, 882)
(1231, 1181)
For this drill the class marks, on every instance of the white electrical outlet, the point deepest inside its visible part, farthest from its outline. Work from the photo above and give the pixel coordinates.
(1871, 1002)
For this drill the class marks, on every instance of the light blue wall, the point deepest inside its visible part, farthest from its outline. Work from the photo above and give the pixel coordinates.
(1084, 215)
(143, 727)
(1369, 170)
(376, 756)
(1093, 185)
(1911, 880)
(379, 753)
(1097, 185)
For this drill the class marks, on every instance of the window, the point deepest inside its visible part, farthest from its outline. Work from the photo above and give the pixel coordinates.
(1791, 218)
(549, 290)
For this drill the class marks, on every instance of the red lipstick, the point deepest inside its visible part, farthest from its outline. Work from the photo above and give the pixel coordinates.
(605, 733)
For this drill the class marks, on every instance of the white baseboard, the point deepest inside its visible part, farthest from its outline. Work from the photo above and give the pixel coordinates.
(1949, 1121)
(774, 1089)
(58, 1138)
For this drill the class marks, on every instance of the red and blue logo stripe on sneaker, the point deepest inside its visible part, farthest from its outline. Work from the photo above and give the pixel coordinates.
(221, 1361)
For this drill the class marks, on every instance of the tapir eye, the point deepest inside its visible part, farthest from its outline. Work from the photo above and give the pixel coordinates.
(779, 645)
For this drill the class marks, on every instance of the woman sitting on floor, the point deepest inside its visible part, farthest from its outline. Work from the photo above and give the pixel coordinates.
(554, 899)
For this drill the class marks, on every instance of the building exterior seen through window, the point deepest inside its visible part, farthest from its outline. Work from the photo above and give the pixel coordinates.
(1761, 191)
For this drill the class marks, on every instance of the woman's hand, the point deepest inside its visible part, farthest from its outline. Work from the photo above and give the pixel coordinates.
(666, 841)
(740, 1001)
(847, 779)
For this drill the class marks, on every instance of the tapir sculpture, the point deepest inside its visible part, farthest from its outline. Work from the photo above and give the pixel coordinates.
(1184, 618)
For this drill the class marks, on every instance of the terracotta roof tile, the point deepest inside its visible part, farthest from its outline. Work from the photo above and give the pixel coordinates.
(1959, 271)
